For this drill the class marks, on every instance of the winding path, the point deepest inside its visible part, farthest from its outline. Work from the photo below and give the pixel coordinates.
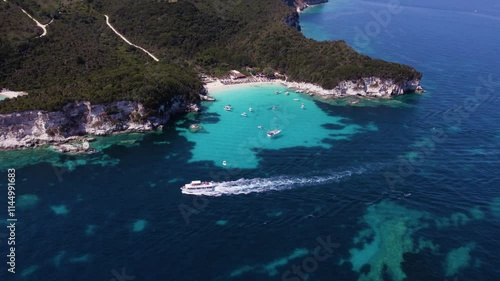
(42, 26)
(128, 42)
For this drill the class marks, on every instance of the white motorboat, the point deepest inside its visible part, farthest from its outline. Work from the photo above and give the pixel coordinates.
(85, 145)
(260, 127)
(287, 93)
(195, 128)
(224, 163)
(250, 109)
(277, 92)
(273, 132)
(244, 114)
(199, 185)
(228, 108)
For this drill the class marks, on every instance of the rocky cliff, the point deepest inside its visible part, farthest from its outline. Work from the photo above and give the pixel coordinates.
(366, 87)
(302, 4)
(34, 128)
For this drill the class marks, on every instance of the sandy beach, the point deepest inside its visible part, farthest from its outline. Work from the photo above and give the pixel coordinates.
(11, 94)
(218, 85)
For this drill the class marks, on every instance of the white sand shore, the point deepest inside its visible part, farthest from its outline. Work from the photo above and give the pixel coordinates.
(306, 88)
(217, 85)
(11, 94)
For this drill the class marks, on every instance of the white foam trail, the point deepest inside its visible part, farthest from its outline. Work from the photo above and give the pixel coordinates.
(245, 186)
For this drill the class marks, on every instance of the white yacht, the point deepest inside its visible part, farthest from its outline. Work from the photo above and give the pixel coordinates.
(199, 185)
(273, 132)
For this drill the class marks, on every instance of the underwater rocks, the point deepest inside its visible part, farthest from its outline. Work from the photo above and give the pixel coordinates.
(35, 128)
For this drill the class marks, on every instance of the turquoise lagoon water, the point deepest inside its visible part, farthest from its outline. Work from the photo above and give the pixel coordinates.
(236, 139)
(329, 175)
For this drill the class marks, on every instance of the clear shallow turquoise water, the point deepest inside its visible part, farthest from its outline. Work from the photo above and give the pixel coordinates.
(91, 217)
(236, 139)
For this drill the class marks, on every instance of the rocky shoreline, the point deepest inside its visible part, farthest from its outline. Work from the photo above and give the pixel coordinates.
(31, 129)
(67, 128)
(365, 87)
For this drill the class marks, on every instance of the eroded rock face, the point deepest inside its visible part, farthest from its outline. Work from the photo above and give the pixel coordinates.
(302, 4)
(367, 87)
(33, 128)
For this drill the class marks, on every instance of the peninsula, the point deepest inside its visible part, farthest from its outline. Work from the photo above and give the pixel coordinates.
(112, 66)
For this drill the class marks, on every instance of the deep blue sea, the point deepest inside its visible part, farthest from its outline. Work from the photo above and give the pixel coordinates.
(406, 189)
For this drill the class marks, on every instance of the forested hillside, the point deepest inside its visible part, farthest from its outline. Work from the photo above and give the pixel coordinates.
(82, 59)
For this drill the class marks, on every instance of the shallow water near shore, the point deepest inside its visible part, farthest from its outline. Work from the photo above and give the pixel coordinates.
(229, 136)
(120, 211)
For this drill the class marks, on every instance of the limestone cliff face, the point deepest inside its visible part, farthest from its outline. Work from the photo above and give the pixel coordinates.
(34, 128)
(366, 87)
(293, 21)
(302, 4)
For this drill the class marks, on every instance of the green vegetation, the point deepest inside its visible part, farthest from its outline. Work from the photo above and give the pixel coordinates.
(82, 59)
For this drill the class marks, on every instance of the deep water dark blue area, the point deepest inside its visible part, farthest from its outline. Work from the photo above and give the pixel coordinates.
(428, 176)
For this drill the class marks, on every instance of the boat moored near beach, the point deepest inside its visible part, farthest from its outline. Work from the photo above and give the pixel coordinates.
(195, 128)
(273, 132)
(228, 108)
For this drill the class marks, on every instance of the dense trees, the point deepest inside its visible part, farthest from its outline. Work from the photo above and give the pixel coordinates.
(82, 59)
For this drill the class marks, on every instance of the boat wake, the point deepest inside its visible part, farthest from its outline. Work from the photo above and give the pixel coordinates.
(245, 186)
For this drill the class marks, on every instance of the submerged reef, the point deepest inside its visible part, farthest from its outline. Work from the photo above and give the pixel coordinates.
(393, 231)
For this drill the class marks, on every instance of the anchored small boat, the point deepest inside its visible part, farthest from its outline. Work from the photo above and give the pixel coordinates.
(302, 106)
(273, 133)
(244, 114)
(260, 127)
(228, 108)
(195, 128)
(250, 109)
(224, 163)
(296, 99)
(85, 145)
(287, 93)
(277, 92)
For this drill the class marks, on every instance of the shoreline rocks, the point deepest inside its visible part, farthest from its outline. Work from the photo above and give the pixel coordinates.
(365, 87)
(31, 129)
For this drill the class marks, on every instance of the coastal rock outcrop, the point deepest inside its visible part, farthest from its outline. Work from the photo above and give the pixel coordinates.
(366, 87)
(34, 128)
(293, 21)
(302, 4)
